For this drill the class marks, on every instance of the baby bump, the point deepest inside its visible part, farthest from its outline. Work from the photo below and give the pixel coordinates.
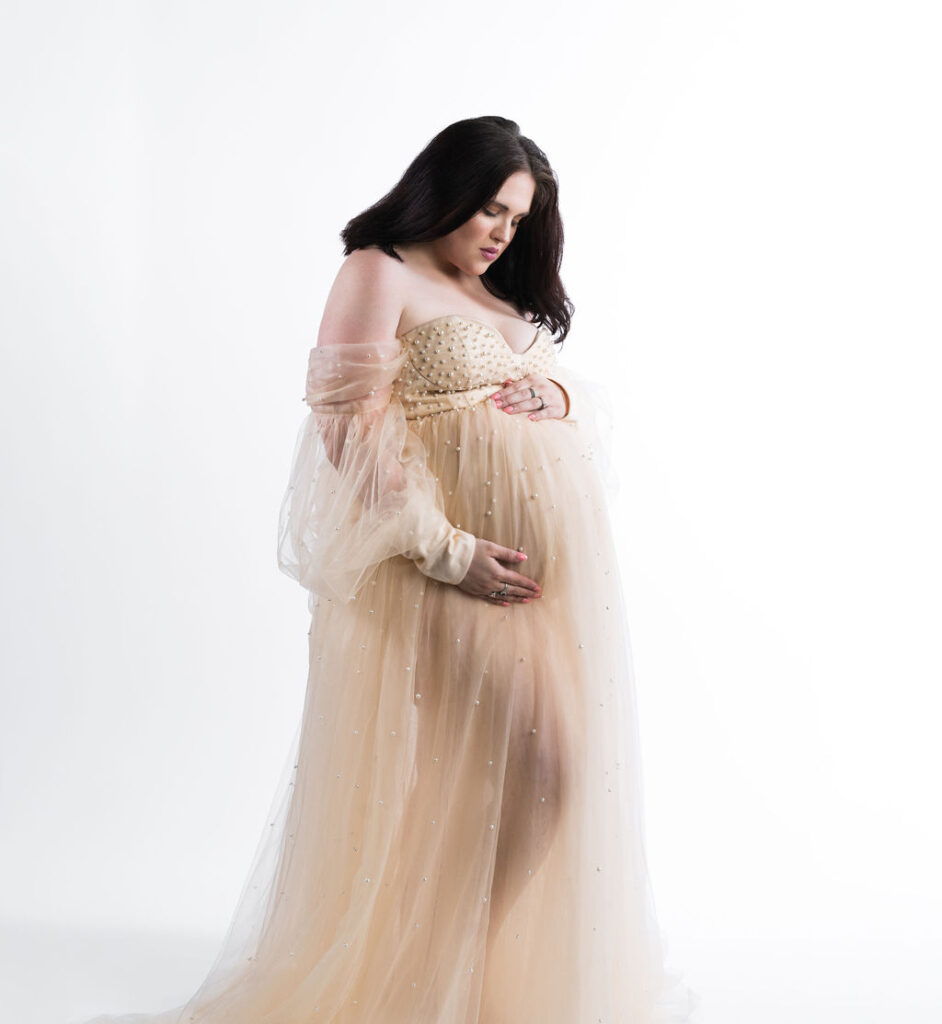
(518, 482)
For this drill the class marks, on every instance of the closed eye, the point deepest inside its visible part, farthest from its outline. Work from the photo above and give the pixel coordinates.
(489, 213)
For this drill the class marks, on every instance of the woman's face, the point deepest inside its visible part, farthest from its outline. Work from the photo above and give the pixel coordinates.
(474, 246)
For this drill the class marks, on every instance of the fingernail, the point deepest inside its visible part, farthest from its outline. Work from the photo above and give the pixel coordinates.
(526, 600)
(509, 408)
(521, 555)
(530, 416)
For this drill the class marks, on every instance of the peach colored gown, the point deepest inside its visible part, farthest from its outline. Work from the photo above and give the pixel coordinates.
(458, 835)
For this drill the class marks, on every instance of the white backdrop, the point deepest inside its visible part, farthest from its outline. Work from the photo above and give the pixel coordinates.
(750, 192)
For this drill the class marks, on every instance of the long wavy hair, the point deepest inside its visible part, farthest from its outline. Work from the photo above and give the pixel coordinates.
(459, 172)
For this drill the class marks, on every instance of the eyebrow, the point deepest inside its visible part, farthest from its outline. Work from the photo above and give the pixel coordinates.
(494, 202)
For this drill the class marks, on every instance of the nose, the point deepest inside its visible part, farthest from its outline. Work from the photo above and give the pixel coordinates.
(501, 232)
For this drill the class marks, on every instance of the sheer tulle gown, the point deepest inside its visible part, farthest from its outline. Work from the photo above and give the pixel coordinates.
(457, 838)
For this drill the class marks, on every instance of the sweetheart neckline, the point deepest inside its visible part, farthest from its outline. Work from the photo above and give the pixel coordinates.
(480, 323)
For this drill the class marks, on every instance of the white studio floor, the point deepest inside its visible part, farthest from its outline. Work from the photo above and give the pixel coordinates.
(59, 975)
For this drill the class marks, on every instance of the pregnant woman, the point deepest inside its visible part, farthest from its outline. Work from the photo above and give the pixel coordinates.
(459, 837)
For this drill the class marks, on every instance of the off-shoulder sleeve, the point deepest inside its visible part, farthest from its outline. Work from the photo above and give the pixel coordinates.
(360, 490)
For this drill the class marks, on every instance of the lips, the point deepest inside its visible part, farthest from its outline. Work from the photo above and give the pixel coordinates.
(490, 253)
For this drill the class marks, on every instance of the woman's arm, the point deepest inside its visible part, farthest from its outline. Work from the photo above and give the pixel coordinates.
(365, 302)
(364, 305)
(360, 489)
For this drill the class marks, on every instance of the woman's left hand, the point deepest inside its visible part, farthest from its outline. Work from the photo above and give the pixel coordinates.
(516, 396)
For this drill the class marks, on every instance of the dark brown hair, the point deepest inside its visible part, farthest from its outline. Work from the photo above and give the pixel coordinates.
(459, 172)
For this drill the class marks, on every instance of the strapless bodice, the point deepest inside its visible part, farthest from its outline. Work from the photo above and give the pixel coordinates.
(455, 362)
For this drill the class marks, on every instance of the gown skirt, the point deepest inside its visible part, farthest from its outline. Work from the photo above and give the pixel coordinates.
(458, 834)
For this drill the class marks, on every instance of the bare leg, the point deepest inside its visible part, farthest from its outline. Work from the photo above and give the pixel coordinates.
(530, 812)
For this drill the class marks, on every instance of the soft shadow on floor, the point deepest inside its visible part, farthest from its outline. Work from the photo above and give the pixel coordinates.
(56, 974)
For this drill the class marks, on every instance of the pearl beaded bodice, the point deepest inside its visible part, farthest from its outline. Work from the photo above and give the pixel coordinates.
(454, 362)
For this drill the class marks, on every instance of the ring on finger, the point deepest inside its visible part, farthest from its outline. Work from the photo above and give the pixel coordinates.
(533, 394)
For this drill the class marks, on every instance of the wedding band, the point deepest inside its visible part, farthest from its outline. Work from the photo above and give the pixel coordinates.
(533, 394)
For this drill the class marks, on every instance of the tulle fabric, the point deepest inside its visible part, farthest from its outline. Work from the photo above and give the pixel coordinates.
(360, 491)
(458, 835)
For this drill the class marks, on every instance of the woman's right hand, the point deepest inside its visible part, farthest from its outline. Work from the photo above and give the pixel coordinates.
(489, 572)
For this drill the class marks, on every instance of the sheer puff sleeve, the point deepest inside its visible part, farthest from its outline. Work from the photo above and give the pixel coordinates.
(360, 490)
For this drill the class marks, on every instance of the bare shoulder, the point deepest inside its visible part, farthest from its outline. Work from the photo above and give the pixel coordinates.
(371, 263)
(365, 301)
